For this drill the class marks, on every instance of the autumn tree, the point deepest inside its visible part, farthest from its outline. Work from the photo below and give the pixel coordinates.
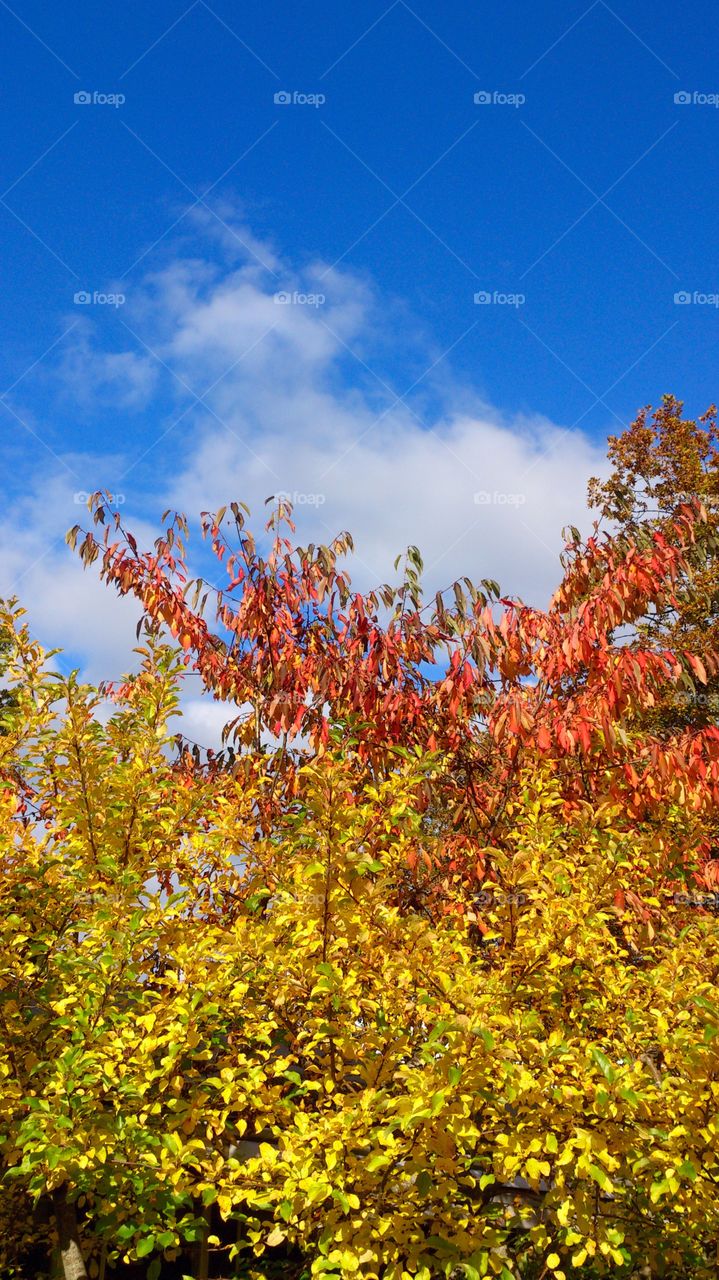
(416, 975)
(662, 461)
(94, 823)
(272, 1019)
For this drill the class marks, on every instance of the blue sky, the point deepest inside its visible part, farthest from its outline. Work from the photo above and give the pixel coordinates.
(581, 190)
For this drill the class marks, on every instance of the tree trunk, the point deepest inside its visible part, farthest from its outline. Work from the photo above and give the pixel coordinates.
(73, 1265)
(201, 1262)
(204, 1259)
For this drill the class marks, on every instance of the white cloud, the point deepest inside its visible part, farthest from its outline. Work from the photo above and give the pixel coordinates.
(118, 379)
(479, 497)
(203, 720)
(287, 407)
(479, 493)
(67, 606)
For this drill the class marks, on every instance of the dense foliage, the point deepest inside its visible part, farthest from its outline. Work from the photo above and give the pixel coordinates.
(417, 976)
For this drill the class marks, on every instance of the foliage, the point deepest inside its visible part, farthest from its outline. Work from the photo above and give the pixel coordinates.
(417, 976)
(660, 462)
(6, 697)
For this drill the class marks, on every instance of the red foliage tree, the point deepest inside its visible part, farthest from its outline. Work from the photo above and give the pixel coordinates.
(490, 684)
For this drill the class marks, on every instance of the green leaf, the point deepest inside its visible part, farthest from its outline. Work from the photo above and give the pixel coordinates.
(376, 1162)
(600, 1177)
(444, 1246)
(145, 1246)
(657, 1189)
(604, 1065)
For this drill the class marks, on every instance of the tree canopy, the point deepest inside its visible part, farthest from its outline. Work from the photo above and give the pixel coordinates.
(416, 975)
